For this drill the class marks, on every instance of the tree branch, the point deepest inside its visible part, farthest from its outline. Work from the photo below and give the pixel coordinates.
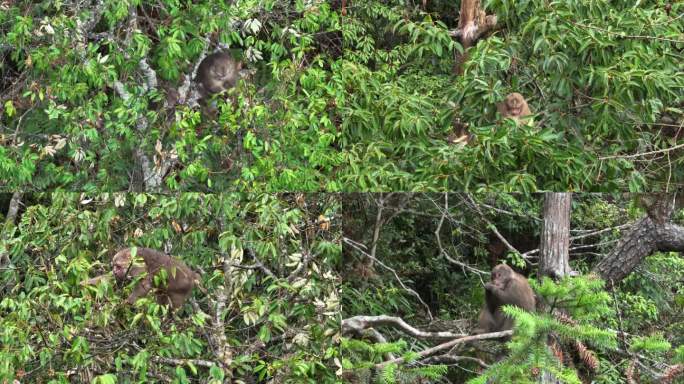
(449, 345)
(361, 248)
(358, 323)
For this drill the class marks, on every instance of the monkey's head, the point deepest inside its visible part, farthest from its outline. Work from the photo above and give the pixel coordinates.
(225, 70)
(121, 263)
(501, 274)
(515, 103)
(220, 70)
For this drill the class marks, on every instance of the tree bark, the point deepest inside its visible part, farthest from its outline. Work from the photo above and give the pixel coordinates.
(13, 210)
(555, 235)
(554, 250)
(651, 234)
(10, 221)
(643, 239)
(473, 23)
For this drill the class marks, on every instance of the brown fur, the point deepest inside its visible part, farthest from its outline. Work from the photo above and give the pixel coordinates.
(179, 278)
(514, 107)
(505, 288)
(218, 72)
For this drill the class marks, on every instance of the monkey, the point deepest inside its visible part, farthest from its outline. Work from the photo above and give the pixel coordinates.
(506, 287)
(514, 106)
(180, 279)
(218, 72)
(460, 133)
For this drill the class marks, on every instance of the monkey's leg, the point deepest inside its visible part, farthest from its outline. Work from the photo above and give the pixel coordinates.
(178, 298)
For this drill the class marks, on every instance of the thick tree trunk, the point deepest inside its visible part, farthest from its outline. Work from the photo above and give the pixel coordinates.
(554, 248)
(642, 240)
(555, 235)
(473, 23)
(653, 233)
(639, 242)
(469, 9)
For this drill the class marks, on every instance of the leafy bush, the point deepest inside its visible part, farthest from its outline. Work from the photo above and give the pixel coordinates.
(84, 89)
(280, 309)
(599, 75)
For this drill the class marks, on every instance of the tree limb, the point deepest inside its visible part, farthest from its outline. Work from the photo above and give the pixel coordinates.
(449, 345)
(358, 323)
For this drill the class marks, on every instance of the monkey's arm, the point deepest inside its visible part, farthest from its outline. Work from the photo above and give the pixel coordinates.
(214, 86)
(492, 287)
(499, 291)
(95, 280)
(141, 289)
(513, 292)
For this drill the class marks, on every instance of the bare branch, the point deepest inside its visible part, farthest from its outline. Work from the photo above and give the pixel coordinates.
(449, 345)
(174, 361)
(357, 323)
(442, 251)
(491, 226)
(257, 265)
(452, 359)
(595, 233)
(642, 154)
(626, 36)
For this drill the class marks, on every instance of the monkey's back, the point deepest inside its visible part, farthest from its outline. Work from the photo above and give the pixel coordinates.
(179, 274)
(527, 299)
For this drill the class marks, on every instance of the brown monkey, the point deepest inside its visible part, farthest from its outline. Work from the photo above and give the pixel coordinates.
(179, 278)
(459, 134)
(507, 287)
(514, 106)
(218, 72)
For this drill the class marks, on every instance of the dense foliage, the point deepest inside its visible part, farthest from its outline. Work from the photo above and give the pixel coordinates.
(424, 258)
(356, 98)
(83, 87)
(279, 317)
(603, 77)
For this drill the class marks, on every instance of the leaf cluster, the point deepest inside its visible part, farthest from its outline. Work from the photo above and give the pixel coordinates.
(51, 325)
